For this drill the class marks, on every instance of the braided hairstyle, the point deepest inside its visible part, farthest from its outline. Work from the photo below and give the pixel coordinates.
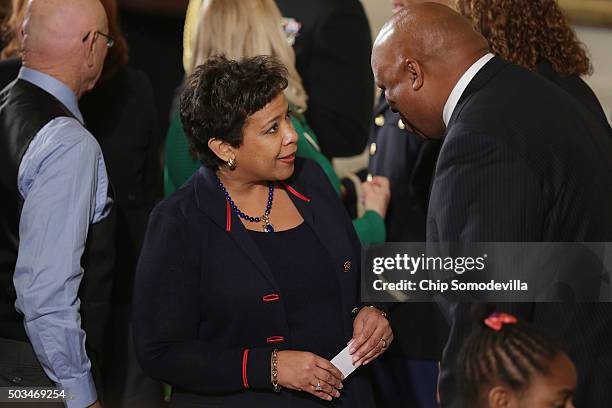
(511, 356)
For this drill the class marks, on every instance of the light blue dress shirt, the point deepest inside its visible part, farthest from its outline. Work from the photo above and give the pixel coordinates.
(63, 180)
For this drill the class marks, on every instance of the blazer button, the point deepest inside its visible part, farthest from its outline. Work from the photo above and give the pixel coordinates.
(379, 120)
(347, 266)
(400, 124)
(372, 149)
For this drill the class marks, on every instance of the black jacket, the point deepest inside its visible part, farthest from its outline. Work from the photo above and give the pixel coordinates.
(522, 161)
(333, 58)
(205, 318)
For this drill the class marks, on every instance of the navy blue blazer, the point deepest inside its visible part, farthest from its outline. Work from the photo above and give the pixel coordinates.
(207, 309)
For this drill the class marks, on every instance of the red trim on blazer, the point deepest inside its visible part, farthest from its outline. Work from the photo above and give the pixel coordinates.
(245, 359)
(295, 192)
(228, 223)
(275, 339)
(272, 297)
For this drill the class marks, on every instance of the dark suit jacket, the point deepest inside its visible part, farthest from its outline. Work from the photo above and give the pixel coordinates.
(201, 289)
(333, 58)
(523, 161)
(576, 87)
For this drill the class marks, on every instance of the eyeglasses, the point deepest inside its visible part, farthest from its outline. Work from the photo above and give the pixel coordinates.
(110, 41)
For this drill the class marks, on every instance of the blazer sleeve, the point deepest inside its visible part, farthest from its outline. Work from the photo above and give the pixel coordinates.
(339, 80)
(167, 316)
(483, 191)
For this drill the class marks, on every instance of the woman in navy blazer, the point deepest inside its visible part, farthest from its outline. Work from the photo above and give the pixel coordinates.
(229, 307)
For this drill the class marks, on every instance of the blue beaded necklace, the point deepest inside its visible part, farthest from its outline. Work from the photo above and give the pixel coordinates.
(265, 218)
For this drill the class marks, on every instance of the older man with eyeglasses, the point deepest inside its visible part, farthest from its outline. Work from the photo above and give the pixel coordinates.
(54, 186)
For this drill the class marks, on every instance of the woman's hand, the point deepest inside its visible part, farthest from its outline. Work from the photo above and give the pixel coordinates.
(302, 371)
(376, 195)
(372, 335)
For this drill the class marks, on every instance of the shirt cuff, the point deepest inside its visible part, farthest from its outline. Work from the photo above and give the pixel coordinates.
(80, 392)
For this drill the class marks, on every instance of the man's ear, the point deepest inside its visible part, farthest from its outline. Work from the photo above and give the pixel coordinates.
(414, 72)
(499, 397)
(221, 149)
(90, 49)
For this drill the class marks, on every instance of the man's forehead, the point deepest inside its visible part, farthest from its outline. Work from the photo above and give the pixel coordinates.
(384, 64)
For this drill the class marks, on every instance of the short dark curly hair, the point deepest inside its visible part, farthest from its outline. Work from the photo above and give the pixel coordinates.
(221, 94)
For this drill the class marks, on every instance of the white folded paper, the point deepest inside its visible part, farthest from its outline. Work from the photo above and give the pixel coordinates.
(344, 362)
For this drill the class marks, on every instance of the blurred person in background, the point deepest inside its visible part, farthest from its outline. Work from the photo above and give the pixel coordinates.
(536, 36)
(153, 30)
(119, 111)
(332, 43)
(5, 11)
(10, 27)
(247, 28)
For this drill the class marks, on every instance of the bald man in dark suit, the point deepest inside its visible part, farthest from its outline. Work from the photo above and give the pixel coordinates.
(521, 161)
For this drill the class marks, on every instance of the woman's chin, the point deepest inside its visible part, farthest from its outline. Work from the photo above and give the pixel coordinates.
(284, 171)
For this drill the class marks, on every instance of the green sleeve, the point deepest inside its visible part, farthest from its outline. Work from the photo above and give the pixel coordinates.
(370, 228)
(178, 163)
(307, 150)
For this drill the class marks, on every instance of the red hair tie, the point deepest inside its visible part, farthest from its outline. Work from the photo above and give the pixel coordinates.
(497, 320)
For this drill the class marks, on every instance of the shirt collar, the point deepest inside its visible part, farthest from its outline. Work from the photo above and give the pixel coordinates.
(53, 86)
(459, 88)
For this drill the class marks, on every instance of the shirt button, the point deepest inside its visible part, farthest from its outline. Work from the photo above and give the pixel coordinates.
(372, 149)
(379, 120)
(400, 124)
(347, 266)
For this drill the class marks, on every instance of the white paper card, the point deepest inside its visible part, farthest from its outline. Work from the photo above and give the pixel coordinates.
(344, 362)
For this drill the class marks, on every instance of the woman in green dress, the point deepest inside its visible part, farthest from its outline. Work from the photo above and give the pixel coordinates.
(246, 28)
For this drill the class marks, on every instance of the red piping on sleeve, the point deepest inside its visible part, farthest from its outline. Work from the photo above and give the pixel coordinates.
(245, 359)
(228, 223)
(295, 192)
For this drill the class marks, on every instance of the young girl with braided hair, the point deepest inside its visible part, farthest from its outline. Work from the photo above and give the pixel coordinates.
(508, 363)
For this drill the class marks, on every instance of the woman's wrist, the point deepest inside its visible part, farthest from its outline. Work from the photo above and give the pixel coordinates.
(356, 310)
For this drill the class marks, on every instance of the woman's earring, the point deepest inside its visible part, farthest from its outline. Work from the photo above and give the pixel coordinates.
(231, 163)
